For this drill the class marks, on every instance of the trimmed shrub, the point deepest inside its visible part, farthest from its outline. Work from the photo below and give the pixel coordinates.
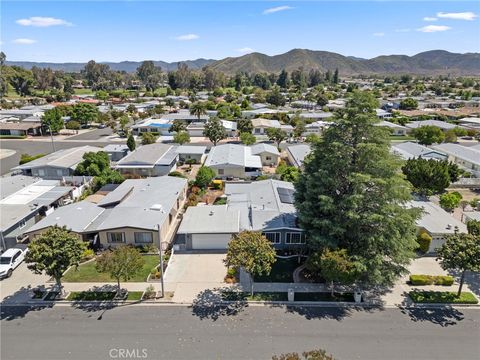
(424, 240)
(72, 125)
(420, 280)
(88, 254)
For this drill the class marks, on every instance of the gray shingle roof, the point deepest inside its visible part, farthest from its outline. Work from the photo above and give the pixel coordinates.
(459, 151)
(218, 219)
(298, 153)
(149, 156)
(233, 155)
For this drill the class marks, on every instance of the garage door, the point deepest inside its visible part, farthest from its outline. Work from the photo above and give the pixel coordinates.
(210, 241)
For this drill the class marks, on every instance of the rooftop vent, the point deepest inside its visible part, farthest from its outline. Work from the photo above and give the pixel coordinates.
(211, 213)
(449, 226)
(156, 207)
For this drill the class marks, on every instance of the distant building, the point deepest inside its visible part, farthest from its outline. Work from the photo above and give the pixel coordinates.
(410, 150)
(116, 151)
(466, 157)
(396, 129)
(260, 125)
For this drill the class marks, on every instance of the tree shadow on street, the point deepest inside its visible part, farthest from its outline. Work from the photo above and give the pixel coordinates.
(209, 304)
(443, 316)
(14, 306)
(335, 312)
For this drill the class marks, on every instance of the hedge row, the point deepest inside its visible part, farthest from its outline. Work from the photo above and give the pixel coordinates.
(431, 280)
(442, 297)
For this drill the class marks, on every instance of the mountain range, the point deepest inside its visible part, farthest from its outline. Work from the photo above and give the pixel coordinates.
(435, 62)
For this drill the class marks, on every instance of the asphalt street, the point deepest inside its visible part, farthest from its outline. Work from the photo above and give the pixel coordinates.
(237, 332)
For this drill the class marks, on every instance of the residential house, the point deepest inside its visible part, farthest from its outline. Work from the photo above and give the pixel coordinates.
(466, 157)
(297, 153)
(269, 154)
(440, 124)
(437, 223)
(160, 126)
(410, 150)
(20, 128)
(382, 114)
(149, 160)
(189, 152)
(396, 129)
(24, 201)
(56, 165)
(130, 214)
(234, 161)
(116, 151)
(261, 125)
(265, 206)
(316, 127)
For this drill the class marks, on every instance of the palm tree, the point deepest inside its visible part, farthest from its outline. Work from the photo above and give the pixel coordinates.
(198, 109)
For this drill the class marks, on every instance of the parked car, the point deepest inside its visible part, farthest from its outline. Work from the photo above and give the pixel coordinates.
(102, 126)
(9, 260)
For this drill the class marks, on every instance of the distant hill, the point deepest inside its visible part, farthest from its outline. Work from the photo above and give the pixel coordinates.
(128, 66)
(435, 62)
(429, 62)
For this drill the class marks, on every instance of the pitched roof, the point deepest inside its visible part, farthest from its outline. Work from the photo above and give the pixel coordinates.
(233, 155)
(149, 156)
(262, 147)
(210, 219)
(466, 153)
(298, 153)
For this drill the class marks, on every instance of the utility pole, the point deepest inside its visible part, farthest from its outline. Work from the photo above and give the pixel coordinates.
(51, 137)
(161, 259)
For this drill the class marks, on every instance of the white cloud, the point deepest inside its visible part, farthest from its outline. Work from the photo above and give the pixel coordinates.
(39, 21)
(24, 41)
(277, 9)
(458, 16)
(187, 37)
(244, 50)
(402, 30)
(379, 34)
(434, 28)
(429, 18)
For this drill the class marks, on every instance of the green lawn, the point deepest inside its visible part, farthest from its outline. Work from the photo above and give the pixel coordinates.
(446, 297)
(135, 295)
(88, 273)
(91, 295)
(282, 271)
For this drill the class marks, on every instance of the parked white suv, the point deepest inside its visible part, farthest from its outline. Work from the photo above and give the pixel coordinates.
(9, 260)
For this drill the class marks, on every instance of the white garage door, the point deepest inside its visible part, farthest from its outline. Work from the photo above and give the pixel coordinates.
(210, 241)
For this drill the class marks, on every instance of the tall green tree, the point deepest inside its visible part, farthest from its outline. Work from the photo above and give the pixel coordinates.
(430, 176)
(177, 126)
(351, 195)
(21, 80)
(85, 113)
(276, 135)
(460, 252)
(123, 263)
(247, 138)
(53, 252)
(244, 126)
(251, 251)
(52, 119)
(214, 131)
(429, 134)
(131, 142)
(181, 138)
(149, 74)
(473, 227)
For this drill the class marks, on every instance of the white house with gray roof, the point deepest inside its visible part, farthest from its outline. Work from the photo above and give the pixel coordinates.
(437, 223)
(265, 206)
(149, 160)
(466, 157)
(234, 161)
(24, 200)
(410, 150)
(56, 165)
(268, 153)
(130, 214)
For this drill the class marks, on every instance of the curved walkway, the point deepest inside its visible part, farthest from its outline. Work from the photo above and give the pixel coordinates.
(296, 274)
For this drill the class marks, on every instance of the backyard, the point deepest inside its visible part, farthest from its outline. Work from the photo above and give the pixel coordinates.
(88, 273)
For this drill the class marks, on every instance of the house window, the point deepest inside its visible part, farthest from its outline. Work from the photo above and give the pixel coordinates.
(268, 158)
(273, 237)
(59, 172)
(257, 131)
(221, 171)
(295, 238)
(115, 237)
(143, 237)
(41, 172)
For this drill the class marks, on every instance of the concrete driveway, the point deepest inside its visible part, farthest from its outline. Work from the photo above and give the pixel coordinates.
(190, 274)
(18, 287)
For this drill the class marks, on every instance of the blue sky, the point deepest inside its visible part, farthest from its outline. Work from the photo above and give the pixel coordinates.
(77, 31)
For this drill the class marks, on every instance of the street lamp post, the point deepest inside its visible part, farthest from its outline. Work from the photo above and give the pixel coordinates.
(51, 137)
(161, 259)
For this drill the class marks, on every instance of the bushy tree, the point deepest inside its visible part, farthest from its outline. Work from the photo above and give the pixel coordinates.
(131, 142)
(351, 195)
(251, 251)
(54, 252)
(450, 201)
(97, 164)
(123, 263)
(408, 104)
(335, 266)
(430, 176)
(460, 252)
(198, 109)
(52, 119)
(429, 134)
(177, 126)
(204, 177)
(247, 138)
(275, 97)
(244, 126)
(85, 113)
(181, 138)
(214, 131)
(149, 138)
(473, 227)
(276, 135)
